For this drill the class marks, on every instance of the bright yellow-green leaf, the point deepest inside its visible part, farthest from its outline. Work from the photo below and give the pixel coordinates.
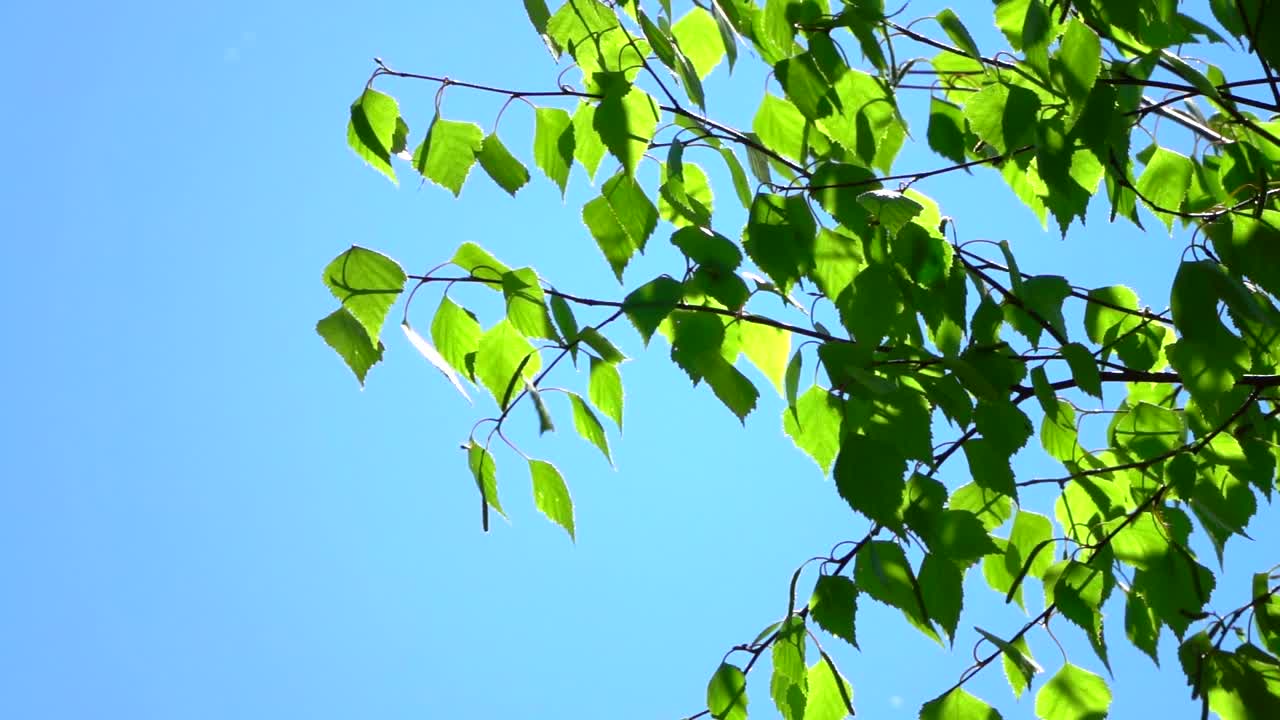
(768, 349)
(551, 495)
(372, 128)
(605, 389)
(699, 39)
(585, 422)
(446, 155)
(349, 339)
(1073, 693)
(554, 144)
(504, 359)
(727, 693)
(367, 284)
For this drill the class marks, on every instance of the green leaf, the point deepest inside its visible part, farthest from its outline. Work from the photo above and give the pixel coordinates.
(814, 425)
(1084, 368)
(698, 37)
(545, 424)
(727, 693)
(1266, 612)
(685, 198)
(434, 357)
(959, 536)
(372, 129)
(780, 127)
(1004, 116)
(830, 695)
(789, 685)
(990, 467)
(1079, 591)
(767, 348)
(1079, 61)
(1141, 625)
(621, 220)
(792, 380)
(869, 476)
(780, 238)
(942, 585)
(588, 147)
(447, 153)
(477, 262)
(485, 472)
(349, 339)
(551, 495)
(1020, 668)
(991, 508)
(526, 304)
(1029, 552)
(946, 134)
(1073, 693)
(504, 359)
(1164, 183)
(882, 571)
(566, 322)
(958, 33)
(626, 120)
(648, 305)
(606, 350)
(605, 389)
(890, 208)
(585, 422)
(834, 606)
(658, 40)
(706, 247)
(958, 704)
(539, 16)
(1138, 342)
(554, 144)
(456, 334)
(367, 284)
(502, 166)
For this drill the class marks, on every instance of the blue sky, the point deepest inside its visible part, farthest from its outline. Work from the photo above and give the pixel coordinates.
(205, 517)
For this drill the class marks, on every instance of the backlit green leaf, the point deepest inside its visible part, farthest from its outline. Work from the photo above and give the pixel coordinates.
(349, 339)
(367, 284)
(869, 475)
(1164, 183)
(699, 39)
(585, 422)
(485, 472)
(814, 425)
(551, 496)
(621, 220)
(882, 571)
(1073, 693)
(767, 348)
(456, 334)
(605, 389)
(958, 704)
(789, 685)
(834, 606)
(727, 693)
(554, 144)
(447, 153)
(502, 166)
(372, 128)
(625, 119)
(504, 359)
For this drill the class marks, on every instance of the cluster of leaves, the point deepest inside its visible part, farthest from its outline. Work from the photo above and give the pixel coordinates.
(931, 333)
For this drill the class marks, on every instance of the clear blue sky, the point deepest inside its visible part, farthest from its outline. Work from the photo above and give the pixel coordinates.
(202, 516)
